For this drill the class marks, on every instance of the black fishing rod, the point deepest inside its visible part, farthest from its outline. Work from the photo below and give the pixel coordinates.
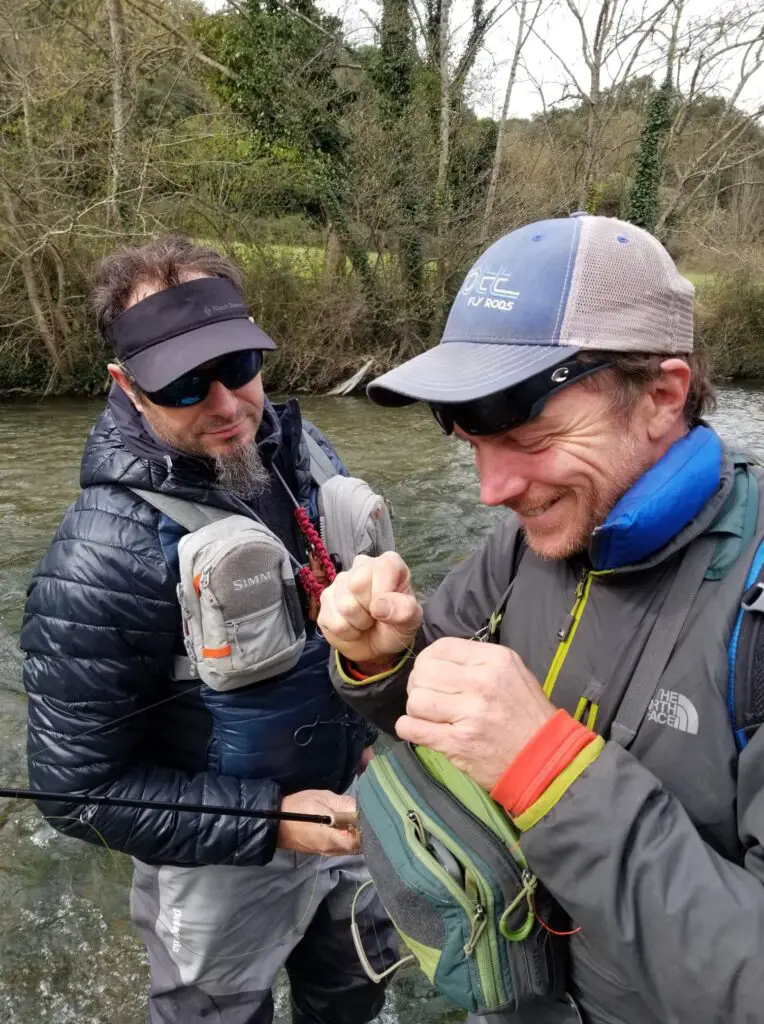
(339, 819)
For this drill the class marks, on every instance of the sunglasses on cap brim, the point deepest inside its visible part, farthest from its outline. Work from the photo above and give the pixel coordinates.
(232, 371)
(504, 410)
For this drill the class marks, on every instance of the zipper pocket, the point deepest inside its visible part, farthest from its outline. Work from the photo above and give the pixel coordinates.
(478, 946)
(497, 855)
(517, 868)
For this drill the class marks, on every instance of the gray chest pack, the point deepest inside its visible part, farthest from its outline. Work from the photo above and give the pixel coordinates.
(242, 616)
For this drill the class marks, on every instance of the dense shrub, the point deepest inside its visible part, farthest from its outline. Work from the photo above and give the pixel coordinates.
(730, 322)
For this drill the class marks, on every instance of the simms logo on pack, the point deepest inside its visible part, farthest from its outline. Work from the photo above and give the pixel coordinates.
(490, 289)
(675, 710)
(253, 581)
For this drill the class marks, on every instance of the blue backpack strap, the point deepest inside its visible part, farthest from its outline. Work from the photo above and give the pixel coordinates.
(745, 691)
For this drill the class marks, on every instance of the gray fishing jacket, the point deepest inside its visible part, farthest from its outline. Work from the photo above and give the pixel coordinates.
(655, 851)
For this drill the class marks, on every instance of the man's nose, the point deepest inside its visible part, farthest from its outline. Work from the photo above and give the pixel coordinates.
(220, 401)
(501, 477)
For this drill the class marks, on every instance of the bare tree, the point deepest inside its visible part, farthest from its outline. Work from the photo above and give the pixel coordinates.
(615, 49)
(526, 23)
(727, 53)
(444, 150)
(118, 106)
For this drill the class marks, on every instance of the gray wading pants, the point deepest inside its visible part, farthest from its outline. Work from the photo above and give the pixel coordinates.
(217, 936)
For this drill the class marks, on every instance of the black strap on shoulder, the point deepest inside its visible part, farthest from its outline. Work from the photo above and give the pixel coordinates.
(490, 632)
(672, 616)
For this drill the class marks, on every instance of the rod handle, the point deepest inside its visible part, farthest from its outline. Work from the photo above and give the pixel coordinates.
(344, 819)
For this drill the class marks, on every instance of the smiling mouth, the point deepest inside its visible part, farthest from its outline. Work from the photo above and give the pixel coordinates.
(539, 510)
(230, 429)
(535, 512)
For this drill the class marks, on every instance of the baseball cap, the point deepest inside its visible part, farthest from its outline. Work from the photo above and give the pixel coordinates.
(541, 295)
(173, 331)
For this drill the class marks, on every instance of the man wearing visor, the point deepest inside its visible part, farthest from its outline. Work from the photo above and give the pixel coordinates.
(116, 707)
(604, 716)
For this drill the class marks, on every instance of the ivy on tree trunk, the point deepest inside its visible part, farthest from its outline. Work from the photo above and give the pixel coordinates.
(644, 199)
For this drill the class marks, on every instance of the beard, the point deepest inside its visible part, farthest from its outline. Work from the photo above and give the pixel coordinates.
(587, 509)
(241, 472)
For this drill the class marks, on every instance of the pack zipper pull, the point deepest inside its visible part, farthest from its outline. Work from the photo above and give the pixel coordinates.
(479, 924)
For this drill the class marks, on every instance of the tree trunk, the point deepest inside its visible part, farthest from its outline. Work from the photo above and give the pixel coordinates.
(502, 129)
(592, 154)
(118, 109)
(334, 260)
(444, 156)
(46, 332)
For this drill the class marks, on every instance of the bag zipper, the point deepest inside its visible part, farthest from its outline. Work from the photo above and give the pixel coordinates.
(478, 945)
(518, 867)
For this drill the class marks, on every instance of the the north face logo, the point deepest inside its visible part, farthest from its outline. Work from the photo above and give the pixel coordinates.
(675, 710)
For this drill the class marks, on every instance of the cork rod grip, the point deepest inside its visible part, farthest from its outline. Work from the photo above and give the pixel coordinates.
(344, 819)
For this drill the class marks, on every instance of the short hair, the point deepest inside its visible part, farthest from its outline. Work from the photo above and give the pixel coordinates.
(634, 371)
(164, 263)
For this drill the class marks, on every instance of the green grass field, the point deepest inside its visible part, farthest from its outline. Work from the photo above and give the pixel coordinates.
(698, 279)
(309, 260)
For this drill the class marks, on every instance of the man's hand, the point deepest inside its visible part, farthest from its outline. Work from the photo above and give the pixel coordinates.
(369, 614)
(306, 838)
(476, 703)
(366, 758)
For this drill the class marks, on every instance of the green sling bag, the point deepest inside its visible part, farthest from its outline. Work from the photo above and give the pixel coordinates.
(450, 872)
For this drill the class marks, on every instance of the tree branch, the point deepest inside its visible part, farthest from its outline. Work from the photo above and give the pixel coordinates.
(192, 47)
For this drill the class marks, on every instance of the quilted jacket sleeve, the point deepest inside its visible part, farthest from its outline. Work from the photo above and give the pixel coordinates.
(99, 633)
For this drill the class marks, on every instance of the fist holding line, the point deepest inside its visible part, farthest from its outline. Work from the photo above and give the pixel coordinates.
(370, 614)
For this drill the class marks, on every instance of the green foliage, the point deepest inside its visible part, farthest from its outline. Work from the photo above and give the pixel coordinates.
(394, 65)
(644, 201)
(285, 87)
(315, 165)
(594, 194)
(730, 321)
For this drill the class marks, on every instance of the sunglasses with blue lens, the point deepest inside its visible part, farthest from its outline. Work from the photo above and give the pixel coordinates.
(504, 410)
(233, 371)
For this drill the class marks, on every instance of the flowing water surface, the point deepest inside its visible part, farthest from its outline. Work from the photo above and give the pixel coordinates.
(67, 953)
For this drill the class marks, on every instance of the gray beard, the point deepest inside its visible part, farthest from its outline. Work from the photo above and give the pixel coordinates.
(242, 472)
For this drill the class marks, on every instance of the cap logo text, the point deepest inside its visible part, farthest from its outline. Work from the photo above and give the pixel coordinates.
(489, 288)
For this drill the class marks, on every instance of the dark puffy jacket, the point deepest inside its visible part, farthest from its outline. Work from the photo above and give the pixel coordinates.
(101, 631)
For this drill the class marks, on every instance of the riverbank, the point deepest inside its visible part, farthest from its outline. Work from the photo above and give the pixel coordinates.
(327, 327)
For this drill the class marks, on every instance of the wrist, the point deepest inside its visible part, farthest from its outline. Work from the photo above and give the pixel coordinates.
(374, 667)
(544, 757)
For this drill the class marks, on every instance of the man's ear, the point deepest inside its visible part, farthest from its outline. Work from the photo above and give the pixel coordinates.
(668, 395)
(118, 375)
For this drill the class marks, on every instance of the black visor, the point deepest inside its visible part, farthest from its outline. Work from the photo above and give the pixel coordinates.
(173, 331)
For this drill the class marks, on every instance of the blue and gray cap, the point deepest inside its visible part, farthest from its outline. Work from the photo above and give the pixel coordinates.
(539, 296)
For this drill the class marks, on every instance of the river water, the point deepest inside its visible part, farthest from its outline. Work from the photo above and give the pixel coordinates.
(67, 954)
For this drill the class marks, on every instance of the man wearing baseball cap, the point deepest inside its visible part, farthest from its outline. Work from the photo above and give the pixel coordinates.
(116, 703)
(609, 713)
